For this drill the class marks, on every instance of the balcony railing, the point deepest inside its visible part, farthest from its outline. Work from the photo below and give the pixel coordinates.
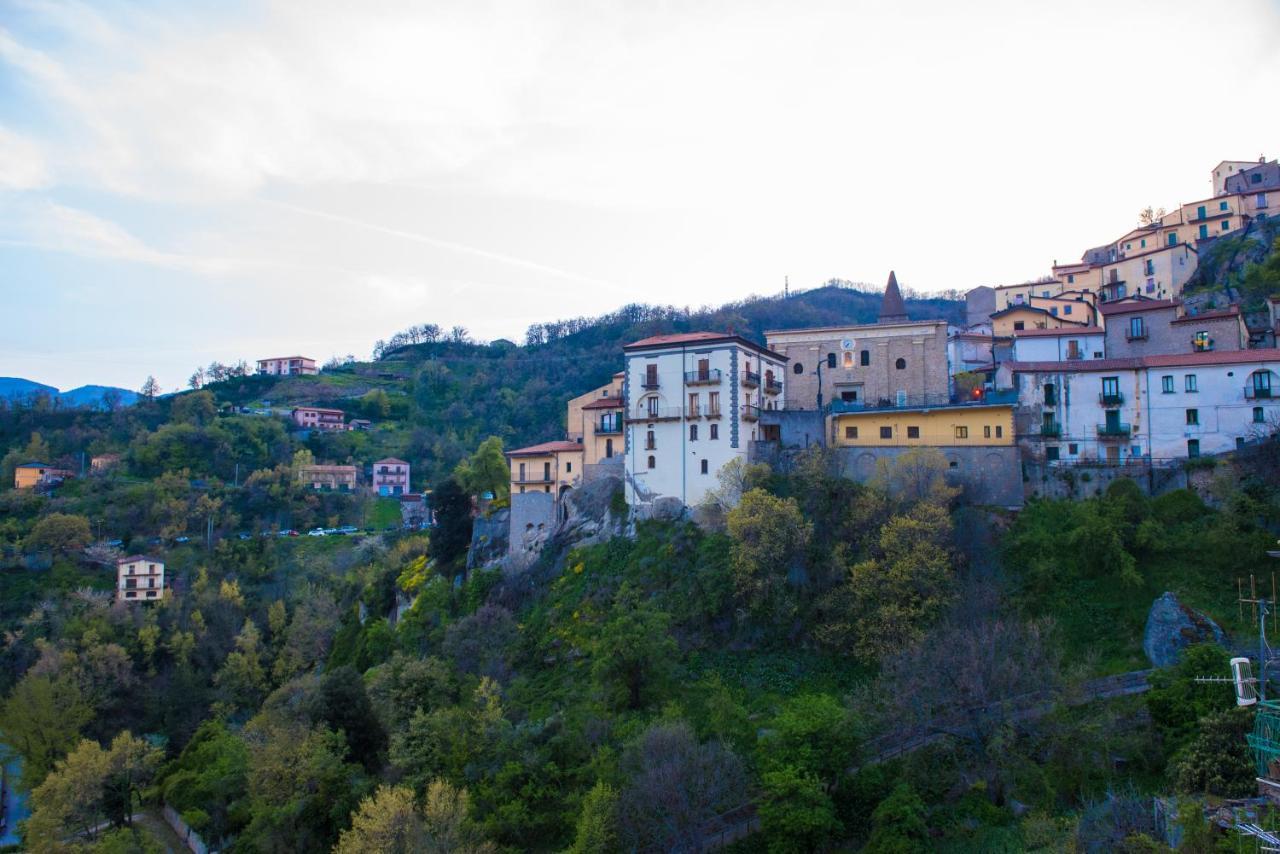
(772, 387)
(1135, 335)
(649, 383)
(1252, 392)
(750, 379)
(609, 429)
(660, 413)
(1113, 431)
(923, 401)
(1111, 398)
(710, 411)
(750, 412)
(710, 377)
(1050, 428)
(532, 479)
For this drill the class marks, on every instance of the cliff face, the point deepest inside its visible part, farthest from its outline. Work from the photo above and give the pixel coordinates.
(488, 539)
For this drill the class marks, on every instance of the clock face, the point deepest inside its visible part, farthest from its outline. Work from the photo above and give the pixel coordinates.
(846, 344)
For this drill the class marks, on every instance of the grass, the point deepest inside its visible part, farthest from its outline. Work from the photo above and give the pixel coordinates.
(385, 513)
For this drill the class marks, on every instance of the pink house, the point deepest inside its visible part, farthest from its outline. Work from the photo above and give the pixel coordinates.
(391, 477)
(286, 365)
(318, 418)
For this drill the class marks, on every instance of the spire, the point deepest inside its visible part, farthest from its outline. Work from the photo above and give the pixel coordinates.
(892, 309)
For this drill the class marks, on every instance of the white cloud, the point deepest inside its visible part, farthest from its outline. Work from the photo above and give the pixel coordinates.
(22, 166)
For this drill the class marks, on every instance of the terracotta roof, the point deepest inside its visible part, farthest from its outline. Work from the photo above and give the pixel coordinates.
(1043, 311)
(604, 403)
(1168, 360)
(316, 409)
(854, 327)
(1050, 333)
(545, 448)
(393, 460)
(700, 338)
(1110, 308)
(134, 558)
(1220, 314)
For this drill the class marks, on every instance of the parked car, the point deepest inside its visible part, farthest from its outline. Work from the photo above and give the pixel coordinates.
(348, 530)
(182, 539)
(244, 535)
(115, 544)
(317, 532)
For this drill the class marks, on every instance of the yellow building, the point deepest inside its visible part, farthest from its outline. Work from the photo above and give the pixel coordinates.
(595, 420)
(31, 475)
(551, 467)
(1019, 318)
(967, 425)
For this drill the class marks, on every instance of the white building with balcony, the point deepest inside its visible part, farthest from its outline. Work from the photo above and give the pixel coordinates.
(1160, 407)
(692, 403)
(1067, 344)
(139, 578)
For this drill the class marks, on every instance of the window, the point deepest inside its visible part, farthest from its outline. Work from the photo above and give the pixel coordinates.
(849, 395)
(913, 432)
(986, 431)
(1137, 328)
(653, 463)
(522, 477)
(831, 360)
(1142, 244)
(1050, 394)
(715, 431)
(1066, 309)
(850, 431)
(1222, 205)
(1111, 390)
(1204, 231)
(799, 368)
(653, 407)
(1149, 267)
(650, 443)
(1051, 453)
(1261, 201)
(1200, 212)
(1073, 449)
(1071, 278)
(1226, 225)
(1173, 238)
(704, 467)
(1018, 325)
(999, 432)
(568, 467)
(1259, 417)
(713, 403)
(1166, 384)
(1255, 178)
(1261, 384)
(650, 376)
(864, 358)
(1193, 417)
(900, 364)
(693, 432)
(1053, 310)
(1189, 383)
(704, 369)
(546, 471)
(1193, 448)
(608, 448)
(962, 432)
(693, 403)
(886, 432)
(848, 358)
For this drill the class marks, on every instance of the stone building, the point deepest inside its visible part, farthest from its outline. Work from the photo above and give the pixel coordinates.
(1159, 327)
(893, 360)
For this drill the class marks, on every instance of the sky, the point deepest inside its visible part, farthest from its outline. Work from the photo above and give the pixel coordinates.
(185, 182)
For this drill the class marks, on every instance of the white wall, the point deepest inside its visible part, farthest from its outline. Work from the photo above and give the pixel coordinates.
(677, 471)
(1053, 348)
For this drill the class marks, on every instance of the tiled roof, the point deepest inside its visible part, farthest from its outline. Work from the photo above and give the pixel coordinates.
(1110, 308)
(1167, 360)
(316, 409)
(287, 358)
(605, 403)
(681, 338)
(1220, 314)
(36, 465)
(545, 448)
(391, 460)
(135, 558)
(1051, 333)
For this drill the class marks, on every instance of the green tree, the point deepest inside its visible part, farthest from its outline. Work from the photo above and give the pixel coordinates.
(486, 470)
(60, 533)
(196, 408)
(387, 822)
(344, 707)
(41, 720)
(597, 831)
(813, 734)
(1217, 761)
(452, 535)
(770, 537)
(633, 654)
(898, 824)
(242, 675)
(918, 475)
(796, 813)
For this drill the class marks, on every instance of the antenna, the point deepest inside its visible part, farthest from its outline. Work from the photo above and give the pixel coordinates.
(786, 287)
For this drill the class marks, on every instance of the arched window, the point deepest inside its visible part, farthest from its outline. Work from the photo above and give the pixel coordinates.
(831, 360)
(848, 358)
(865, 357)
(652, 462)
(900, 364)
(799, 368)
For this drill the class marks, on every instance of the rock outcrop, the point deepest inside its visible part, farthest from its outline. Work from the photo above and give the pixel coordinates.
(1172, 627)
(488, 539)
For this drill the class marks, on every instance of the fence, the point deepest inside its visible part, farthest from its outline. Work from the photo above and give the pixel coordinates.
(189, 836)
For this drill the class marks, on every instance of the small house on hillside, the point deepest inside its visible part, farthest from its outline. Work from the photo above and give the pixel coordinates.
(287, 365)
(34, 474)
(139, 578)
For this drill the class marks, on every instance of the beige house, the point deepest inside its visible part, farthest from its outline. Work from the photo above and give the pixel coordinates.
(1225, 170)
(550, 467)
(595, 420)
(139, 578)
(319, 418)
(328, 478)
(287, 365)
(892, 359)
(31, 475)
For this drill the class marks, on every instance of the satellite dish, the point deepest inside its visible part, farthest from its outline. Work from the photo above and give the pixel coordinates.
(1246, 686)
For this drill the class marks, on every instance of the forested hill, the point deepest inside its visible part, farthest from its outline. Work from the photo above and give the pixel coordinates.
(432, 402)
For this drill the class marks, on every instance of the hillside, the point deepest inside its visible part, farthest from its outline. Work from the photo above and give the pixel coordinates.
(92, 396)
(1241, 268)
(433, 402)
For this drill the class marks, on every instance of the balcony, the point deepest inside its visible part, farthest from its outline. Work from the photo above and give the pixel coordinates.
(1111, 398)
(532, 479)
(923, 401)
(1136, 334)
(772, 387)
(750, 412)
(711, 377)
(711, 412)
(658, 413)
(750, 379)
(1252, 392)
(1113, 431)
(650, 383)
(1051, 429)
(609, 429)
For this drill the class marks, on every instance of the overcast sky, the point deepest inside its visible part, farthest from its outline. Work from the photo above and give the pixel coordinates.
(183, 182)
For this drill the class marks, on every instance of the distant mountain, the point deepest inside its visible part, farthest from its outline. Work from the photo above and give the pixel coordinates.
(86, 396)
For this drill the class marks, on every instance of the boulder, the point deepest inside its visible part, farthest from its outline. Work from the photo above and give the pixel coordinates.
(1172, 627)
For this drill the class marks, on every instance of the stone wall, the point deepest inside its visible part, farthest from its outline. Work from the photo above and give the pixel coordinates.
(1085, 480)
(798, 428)
(533, 517)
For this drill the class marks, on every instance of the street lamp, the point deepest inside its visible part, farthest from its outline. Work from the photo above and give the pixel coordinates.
(818, 350)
